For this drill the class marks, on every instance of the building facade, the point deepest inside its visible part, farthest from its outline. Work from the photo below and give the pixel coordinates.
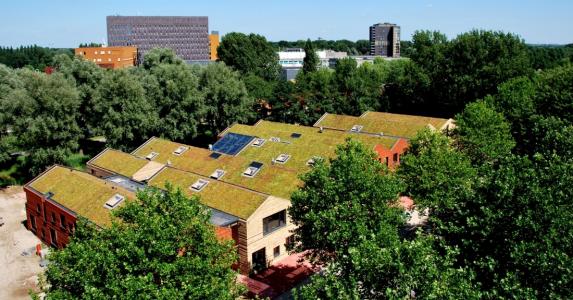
(187, 36)
(110, 57)
(385, 40)
(291, 60)
(213, 45)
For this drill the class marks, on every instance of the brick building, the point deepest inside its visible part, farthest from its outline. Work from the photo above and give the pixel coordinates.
(109, 57)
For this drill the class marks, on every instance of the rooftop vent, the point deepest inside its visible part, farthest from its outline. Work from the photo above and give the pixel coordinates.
(114, 201)
(275, 139)
(281, 159)
(295, 135)
(215, 155)
(258, 142)
(180, 150)
(199, 185)
(356, 128)
(151, 155)
(218, 174)
(253, 169)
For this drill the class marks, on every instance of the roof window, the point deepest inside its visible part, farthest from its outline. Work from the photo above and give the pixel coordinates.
(114, 201)
(253, 169)
(180, 150)
(281, 159)
(199, 185)
(218, 174)
(275, 139)
(151, 155)
(295, 135)
(258, 142)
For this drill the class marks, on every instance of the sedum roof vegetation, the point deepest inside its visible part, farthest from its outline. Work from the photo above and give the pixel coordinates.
(378, 122)
(222, 196)
(109, 158)
(274, 179)
(80, 192)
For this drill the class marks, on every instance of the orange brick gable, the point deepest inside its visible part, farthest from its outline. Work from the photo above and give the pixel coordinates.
(391, 157)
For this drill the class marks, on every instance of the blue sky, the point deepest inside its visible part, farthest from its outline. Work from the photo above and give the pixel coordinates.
(58, 23)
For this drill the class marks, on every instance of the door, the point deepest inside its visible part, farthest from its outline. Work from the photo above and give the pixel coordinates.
(259, 259)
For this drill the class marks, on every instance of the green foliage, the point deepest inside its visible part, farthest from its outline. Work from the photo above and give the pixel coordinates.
(160, 247)
(249, 54)
(34, 56)
(311, 61)
(348, 220)
(227, 97)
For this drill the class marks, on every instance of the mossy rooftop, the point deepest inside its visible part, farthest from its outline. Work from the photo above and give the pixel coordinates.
(118, 162)
(275, 179)
(378, 122)
(234, 200)
(79, 192)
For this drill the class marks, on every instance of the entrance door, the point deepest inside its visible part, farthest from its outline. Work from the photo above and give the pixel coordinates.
(259, 259)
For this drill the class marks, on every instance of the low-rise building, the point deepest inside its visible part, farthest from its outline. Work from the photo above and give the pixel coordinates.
(213, 45)
(291, 60)
(109, 57)
(246, 178)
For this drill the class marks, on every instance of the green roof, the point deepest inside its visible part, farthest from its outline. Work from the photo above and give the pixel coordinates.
(225, 197)
(278, 179)
(380, 122)
(109, 158)
(80, 192)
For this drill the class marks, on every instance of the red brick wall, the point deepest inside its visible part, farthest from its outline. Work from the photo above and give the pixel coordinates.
(391, 157)
(48, 217)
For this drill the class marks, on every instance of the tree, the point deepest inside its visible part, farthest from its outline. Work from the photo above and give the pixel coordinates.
(226, 97)
(127, 117)
(249, 54)
(172, 87)
(311, 61)
(158, 247)
(348, 221)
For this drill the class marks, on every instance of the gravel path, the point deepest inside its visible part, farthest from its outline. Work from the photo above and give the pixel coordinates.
(18, 273)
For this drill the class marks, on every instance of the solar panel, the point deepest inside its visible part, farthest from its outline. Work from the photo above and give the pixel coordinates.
(232, 143)
(215, 155)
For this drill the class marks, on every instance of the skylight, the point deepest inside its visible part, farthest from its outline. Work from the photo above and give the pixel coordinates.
(295, 135)
(356, 128)
(218, 174)
(253, 169)
(258, 142)
(199, 185)
(114, 201)
(180, 150)
(151, 155)
(215, 155)
(275, 139)
(282, 158)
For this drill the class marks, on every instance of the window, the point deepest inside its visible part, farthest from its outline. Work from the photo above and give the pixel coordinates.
(277, 251)
(63, 221)
(295, 135)
(258, 142)
(289, 242)
(282, 158)
(53, 238)
(180, 150)
(114, 201)
(275, 139)
(53, 217)
(395, 158)
(33, 222)
(199, 185)
(151, 155)
(274, 222)
(253, 169)
(218, 174)
(38, 208)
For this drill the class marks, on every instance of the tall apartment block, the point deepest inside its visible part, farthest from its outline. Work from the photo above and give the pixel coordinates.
(385, 40)
(187, 36)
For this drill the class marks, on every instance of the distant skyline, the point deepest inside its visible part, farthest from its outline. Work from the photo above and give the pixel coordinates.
(66, 24)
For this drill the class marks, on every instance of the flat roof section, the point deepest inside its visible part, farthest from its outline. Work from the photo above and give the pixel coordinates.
(80, 192)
